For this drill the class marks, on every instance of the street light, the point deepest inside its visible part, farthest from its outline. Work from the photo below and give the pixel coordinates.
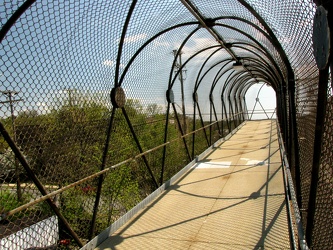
(238, 66)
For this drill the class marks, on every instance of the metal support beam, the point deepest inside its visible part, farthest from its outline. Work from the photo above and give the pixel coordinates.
(319, 130)
(208, 26)
(37, 182)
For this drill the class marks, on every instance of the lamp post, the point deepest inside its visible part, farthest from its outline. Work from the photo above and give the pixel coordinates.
(10, 95)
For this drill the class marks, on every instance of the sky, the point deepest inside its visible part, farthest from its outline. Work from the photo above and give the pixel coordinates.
(44, 57)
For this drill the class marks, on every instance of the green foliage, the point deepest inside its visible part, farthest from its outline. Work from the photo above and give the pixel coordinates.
(120, 193)
(67, 144)
(8, 201)
(3, 144)
(74, 205)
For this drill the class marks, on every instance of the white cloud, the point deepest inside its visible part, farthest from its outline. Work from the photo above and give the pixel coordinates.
(161, 44)
(135, 38)
(198, 43)
(42, 107)
(109, 63)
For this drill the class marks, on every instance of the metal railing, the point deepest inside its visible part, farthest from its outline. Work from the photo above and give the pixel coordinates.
(294, 215)
(175, 89)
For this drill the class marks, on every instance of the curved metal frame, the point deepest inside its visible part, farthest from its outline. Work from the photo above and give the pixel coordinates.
(273, 68)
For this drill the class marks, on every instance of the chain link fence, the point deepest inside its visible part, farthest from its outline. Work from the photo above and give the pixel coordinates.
(102, 102)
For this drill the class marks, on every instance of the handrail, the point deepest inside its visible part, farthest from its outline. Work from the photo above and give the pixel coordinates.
(97, 174)
(290, 186)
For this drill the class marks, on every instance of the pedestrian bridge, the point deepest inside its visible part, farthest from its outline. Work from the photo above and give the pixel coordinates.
(232, 198)
(161, 124)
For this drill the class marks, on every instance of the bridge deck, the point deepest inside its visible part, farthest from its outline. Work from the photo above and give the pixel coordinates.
(233, 199)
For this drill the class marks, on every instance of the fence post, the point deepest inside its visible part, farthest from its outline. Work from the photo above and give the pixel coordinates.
(321, 42)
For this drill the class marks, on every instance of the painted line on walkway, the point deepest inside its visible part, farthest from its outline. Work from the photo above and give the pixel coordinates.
(215, 164)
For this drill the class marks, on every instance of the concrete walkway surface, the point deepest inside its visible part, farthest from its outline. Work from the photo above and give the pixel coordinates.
(232, 199)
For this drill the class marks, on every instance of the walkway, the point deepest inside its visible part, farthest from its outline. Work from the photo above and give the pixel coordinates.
(233, 199)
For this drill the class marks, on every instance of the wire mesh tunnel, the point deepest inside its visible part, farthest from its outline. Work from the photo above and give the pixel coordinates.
(102, 102)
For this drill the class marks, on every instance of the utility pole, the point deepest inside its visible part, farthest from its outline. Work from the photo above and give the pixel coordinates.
(178, 66)
(10, 95)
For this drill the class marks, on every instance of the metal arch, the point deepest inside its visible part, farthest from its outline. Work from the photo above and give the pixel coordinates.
(276, 70)
(262, 74)
(241, 82)
(227, 82)
(208, 70)
(214, 83)
(199, 72)
(222, 98)
(218, 76)
(259, 67)
(229, 78)
(264, 65)
(187, 61)
(270, 57)
(195, 12)
(248, 36)
(248, 57)
(273, 70)
(246, 86)
(121, 42)
(238, 84)
(212, 105)
(276, 66)
(171, 83)
(262, 32)
(267, 33)
(12, 20)
(147, 43)
(233, 81)
(216, 80)
(293, 131)
(271, 34)
(138, 52)
(203, 65)
(240, 90)
(168, 109)
(231, 60)
(258, 72)
(195, 102)
(245, 21)
(233, 78)
(223, 101)
(251, 38)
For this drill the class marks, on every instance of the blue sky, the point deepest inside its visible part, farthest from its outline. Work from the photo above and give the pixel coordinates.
(44, 56)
